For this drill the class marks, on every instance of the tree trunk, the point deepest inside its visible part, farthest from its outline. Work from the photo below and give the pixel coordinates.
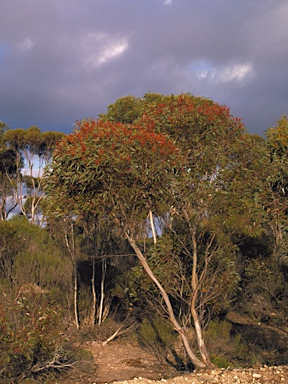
(199, 335)
(102, 291)
(198, 363)
(195, 317)
(152, 226)
(76, 296)
(94, 298)
(72, 251)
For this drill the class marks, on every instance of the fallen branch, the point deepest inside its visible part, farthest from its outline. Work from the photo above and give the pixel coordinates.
(117, 333)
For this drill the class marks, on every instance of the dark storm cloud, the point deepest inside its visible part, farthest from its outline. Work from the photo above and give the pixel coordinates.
(66, 60)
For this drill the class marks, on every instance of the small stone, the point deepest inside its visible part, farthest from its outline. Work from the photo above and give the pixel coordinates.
(256, 375)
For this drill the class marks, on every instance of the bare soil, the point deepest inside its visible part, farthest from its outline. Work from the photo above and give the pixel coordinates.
(122, 363)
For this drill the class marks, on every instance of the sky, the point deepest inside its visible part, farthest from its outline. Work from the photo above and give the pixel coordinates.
(66, 60)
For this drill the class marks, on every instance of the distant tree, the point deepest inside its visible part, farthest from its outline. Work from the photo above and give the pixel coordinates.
(31, 151)
(8, 170)
(3, 128)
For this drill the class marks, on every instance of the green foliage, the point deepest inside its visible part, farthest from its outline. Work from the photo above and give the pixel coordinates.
(156, 329)
(8, 162)
(8, 171)
(164, 259)
(264, 290)
(227, 349)
(125, 110)
(217, 329)
(276, 200)
(128, 109)
(157, 335)
(133, 288)
(171, 262)
(29, 256)
(31, 337)
(114, 168)
(277, 138)
(20, 151)
(32, 140)
(3, 128)
(35, 281)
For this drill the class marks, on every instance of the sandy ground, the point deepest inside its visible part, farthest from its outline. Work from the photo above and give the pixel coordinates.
(123, 363)
(263, 375)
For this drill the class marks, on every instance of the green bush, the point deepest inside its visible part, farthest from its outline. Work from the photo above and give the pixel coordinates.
(31, 338)
(220, 362)
(29, 256)
(226, 349)
(157, 335)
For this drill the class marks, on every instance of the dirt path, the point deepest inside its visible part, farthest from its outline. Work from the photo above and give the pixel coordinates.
(123, 363)
(120, 360)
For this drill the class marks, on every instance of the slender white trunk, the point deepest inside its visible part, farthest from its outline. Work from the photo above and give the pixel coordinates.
(72, 251)
(195, 287)
(76, 297)
(94, 298)
(152, 226)
(198, 363)
(102, 291)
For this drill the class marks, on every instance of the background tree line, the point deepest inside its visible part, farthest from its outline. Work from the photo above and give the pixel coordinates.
(164, 214)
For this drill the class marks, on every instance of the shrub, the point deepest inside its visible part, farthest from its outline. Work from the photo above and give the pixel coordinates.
(31, 338)
(157, 335)
(226, 348)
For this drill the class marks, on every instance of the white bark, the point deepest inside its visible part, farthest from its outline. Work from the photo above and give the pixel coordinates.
(102, 291)
(152, 226)
(198, 363)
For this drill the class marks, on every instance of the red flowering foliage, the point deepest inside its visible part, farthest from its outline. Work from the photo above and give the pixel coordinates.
(189, 119)
(204, 131)
(130, 161)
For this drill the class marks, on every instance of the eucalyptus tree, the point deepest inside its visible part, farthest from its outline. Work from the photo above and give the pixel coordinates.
(8, 170)
(182, 158)
(115, 169)
(212, 196)
(31, 150)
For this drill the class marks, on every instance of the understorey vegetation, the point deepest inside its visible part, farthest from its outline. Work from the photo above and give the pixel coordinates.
(162, 221)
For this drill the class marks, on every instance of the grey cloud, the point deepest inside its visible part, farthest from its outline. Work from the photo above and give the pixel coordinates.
(66, 60)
